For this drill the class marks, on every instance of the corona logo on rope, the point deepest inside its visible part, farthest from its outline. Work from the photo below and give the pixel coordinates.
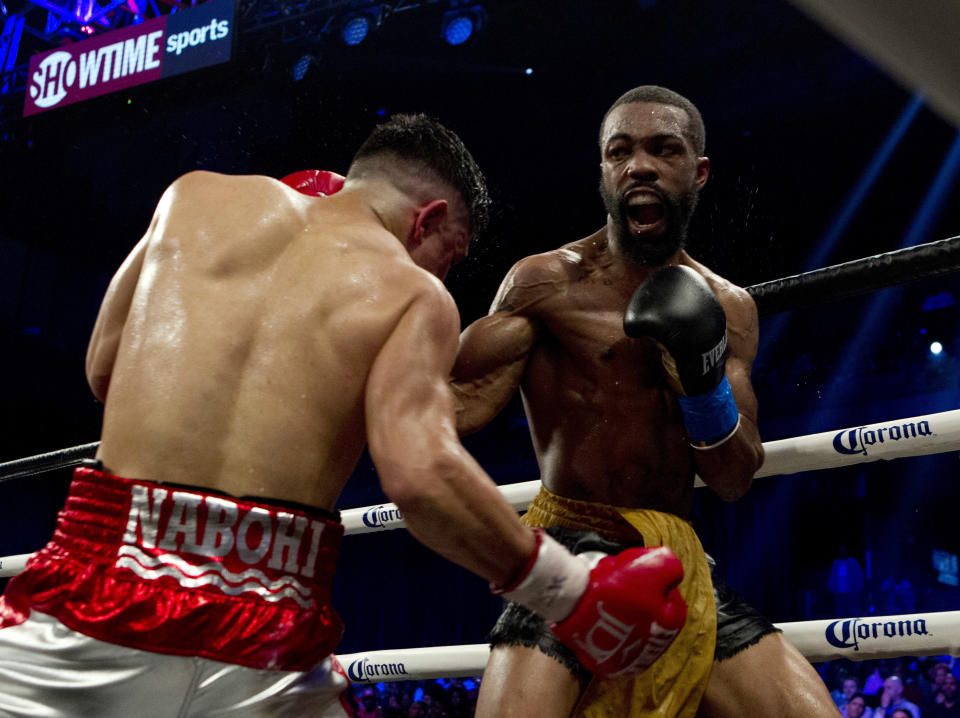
(154, 49)
(849, 632)
(380, 516)
(857, 441)
(364, 669)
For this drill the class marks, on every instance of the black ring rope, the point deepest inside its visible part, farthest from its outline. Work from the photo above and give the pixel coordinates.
(859, 276)
(820, 286)
(41, 463)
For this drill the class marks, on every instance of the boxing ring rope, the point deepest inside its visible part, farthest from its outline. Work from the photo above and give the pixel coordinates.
(859, 276)
(41, 463)
(839, 281)
(915, 436)
(857, 639)
(852, 638)
(12, 565)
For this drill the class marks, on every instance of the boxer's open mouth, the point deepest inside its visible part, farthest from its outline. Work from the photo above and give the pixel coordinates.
(646, 212)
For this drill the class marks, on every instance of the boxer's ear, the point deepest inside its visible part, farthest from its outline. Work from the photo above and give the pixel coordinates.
(703, 171)
(427, 220)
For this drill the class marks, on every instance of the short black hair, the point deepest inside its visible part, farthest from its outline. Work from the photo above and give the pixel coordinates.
(424, 141)
(654, 93)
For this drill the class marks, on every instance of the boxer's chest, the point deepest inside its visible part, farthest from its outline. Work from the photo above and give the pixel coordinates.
(585, 326)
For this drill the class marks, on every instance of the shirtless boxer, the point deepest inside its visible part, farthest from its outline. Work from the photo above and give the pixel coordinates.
(251, 344)
(612, 429)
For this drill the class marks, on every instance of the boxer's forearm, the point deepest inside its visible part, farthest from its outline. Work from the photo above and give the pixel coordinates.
(490, 363)
(728, 469)
(451, 505)
(479, 401)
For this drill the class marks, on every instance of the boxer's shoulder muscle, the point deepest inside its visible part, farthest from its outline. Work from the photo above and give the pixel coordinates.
(536, 278)
(417, 286)
(213, 183)
(738, 305)
(228, 202)
(387, 289)
(201, 187)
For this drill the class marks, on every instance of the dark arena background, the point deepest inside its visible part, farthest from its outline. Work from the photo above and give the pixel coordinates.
(819, 154)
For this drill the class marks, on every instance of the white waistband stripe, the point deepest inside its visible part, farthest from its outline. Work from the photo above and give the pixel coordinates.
(211, 574)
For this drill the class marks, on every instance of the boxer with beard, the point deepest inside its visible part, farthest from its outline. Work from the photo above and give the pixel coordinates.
(653, 203)
(633, 360)
(257, 337)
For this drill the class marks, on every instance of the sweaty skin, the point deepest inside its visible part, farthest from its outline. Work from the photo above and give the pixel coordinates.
(606, 425)
(605, 422)
(257, 338)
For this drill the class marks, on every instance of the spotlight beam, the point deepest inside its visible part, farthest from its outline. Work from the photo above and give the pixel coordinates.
(861, 344)
(915, 42)
(850, 207)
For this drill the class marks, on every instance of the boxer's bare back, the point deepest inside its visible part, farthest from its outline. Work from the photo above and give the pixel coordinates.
(244, 327)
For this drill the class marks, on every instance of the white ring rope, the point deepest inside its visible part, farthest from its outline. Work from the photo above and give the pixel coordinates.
(857, 639)
(916, 436)
(12, 565)
(853, 638)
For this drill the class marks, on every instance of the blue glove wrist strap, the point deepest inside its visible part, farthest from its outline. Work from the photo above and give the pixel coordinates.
(712, 417)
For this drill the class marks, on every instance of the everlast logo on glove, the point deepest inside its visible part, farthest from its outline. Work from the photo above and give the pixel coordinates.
(712, 358)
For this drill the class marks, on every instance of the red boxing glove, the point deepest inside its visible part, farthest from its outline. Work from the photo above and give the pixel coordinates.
(316, 183)
(629, 614)
(618, 617)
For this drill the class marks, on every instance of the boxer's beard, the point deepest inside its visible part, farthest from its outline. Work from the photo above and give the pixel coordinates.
(652, 250)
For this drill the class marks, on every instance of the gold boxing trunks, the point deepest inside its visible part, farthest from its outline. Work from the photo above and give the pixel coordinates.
(674, 684)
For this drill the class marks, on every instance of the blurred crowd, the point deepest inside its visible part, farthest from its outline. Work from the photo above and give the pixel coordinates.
(891, 688)
(440, 698)
(894, 688)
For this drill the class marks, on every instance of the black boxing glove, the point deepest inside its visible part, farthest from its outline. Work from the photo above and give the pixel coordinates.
(677, 309)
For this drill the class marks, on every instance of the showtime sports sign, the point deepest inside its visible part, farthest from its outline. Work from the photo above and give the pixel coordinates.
(157, 48)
